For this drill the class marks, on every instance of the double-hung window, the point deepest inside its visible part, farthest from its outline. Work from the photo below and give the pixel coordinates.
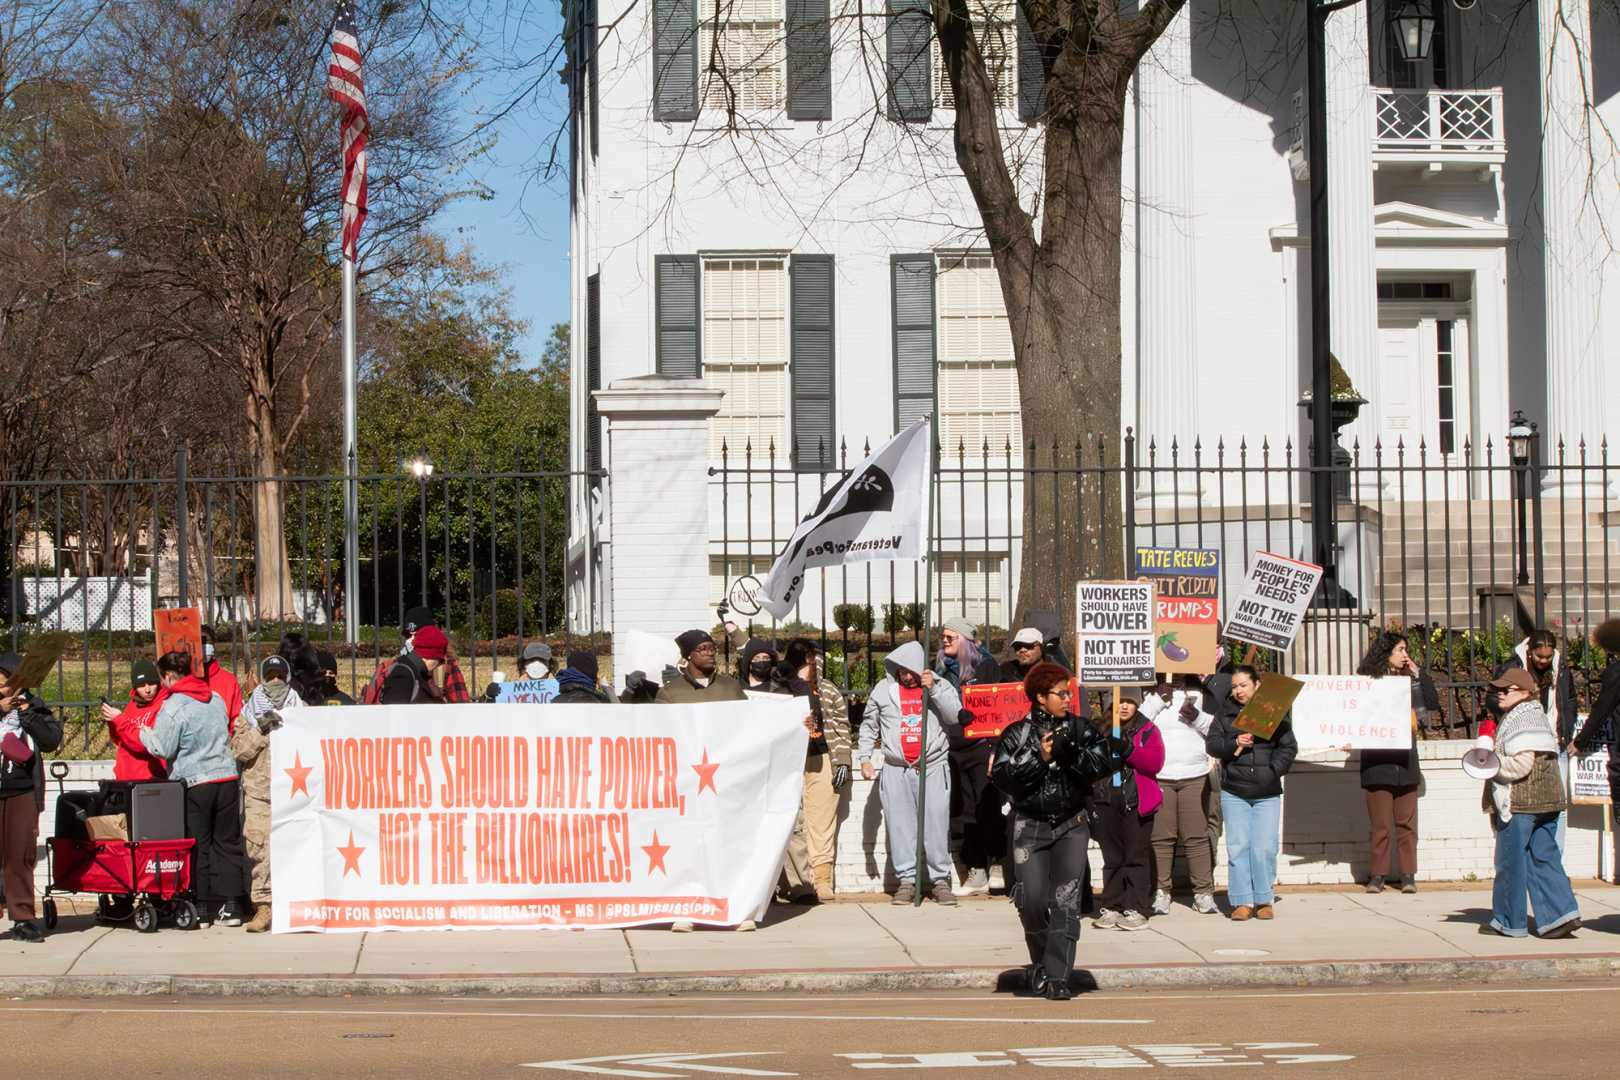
(743, 53)
(978, 380)
(996, 30)
(745, 353)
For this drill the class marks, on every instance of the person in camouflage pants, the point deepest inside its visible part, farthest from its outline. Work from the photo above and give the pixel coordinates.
(814, 847)
(250, 744)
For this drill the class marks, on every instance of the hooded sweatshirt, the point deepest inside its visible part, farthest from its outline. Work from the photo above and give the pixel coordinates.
(894, 716)
(132, 761)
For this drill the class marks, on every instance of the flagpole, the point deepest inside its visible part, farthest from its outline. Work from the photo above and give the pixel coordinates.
(928, 618)
(351, 492)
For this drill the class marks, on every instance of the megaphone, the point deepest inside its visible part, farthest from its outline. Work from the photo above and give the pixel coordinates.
(1481, 764)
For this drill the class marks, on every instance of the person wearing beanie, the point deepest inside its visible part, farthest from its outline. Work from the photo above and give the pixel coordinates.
(1046, 764)
(250, 744)
(449, 684)
(329, 679)
(756, 668)
(908, 715)
(132, 762)
(28, 731)
(978, 827)
(1603, 722)
(576, 683)
(1122, 819)
(699, 677)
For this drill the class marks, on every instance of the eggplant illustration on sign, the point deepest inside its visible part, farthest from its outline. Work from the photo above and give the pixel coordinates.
(1171, 650)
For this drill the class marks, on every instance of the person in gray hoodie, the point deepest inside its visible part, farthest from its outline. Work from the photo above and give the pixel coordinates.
(913, 745)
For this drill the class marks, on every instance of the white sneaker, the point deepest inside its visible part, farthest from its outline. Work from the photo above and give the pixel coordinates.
(1161, 903)
(1133, 920)
(998, 877)
(1204, 904)
(682, 927)
(746, 926)
(1106, 920)
(977, 883)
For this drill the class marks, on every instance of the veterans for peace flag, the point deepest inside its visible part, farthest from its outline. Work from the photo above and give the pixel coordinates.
(879, 511)
(483, 817)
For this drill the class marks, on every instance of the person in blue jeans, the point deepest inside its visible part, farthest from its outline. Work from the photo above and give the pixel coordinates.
(1524, 800)
(1252, 769)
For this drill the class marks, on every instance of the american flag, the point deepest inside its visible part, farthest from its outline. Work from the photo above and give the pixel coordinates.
(346, 85)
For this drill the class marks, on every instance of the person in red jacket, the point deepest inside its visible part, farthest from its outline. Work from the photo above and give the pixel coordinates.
(146, 694)
(220, 680)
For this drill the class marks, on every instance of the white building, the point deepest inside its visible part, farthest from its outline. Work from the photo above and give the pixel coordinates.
(818, 259)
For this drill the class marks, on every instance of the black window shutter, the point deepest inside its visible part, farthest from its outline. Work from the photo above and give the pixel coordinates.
(679, 342)
(675, 73)
(1031, 72)
(813, 360)
(593, 371)
(592, 43)
(914, 369)
(809, 60)
(910, 61)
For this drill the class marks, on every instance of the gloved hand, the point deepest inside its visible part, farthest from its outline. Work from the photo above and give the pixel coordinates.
(491, 692)
(840, 777)
(1189, 711)
(269, 722)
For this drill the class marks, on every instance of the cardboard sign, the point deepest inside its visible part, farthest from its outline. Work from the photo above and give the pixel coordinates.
(43, 653)
(1589, 775)
(526, 692)
(1353, 710)
(1265, 712)
(997, 706)
(1189, 587)
(1276, 592)
(1114, 629)
(179, 630)
(481, 817)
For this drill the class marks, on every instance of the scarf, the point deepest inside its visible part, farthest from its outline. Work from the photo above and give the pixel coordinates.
(568, 677)
(1525, 727)
(272, 695)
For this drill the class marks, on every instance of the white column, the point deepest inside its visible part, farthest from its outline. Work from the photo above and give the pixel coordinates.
(1578, 400)
(1167, 342)
(658, 505)
(1353, 245)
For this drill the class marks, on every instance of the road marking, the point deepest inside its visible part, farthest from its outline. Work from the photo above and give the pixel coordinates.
(1145, 1056)
(675, 1060)
(724, 1017)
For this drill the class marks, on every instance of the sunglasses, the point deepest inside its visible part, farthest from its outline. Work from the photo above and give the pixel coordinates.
(1022, 645)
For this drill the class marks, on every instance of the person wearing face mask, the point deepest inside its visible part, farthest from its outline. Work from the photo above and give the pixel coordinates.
(334, 694)
(534, 662)
(250, 745)
(132, 761)
(897, 720)
(220, 680)
(1252, 771)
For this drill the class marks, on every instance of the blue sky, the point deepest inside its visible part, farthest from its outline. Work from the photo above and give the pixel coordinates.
(523, 226)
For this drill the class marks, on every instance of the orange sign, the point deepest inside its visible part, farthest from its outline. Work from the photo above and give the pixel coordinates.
(180, 630)
(997, 706)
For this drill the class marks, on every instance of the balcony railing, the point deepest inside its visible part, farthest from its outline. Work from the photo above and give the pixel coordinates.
(1464, 126)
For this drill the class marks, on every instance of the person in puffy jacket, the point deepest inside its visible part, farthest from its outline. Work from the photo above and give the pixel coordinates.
(1046, 764)
(1252, 769)
(913, 742)
(1122, 817)
(1390, 778)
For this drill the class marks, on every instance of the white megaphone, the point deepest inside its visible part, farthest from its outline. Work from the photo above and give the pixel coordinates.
(1481, 763)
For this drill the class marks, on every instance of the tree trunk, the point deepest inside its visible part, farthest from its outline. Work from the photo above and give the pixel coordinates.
(271, 571)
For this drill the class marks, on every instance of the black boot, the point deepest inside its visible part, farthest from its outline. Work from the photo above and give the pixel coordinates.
(27, 931)
(1375, 884)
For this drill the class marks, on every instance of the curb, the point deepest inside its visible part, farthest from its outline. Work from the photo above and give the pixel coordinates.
(1308, 974)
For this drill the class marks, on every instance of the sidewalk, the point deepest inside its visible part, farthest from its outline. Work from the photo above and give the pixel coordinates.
(1318, 938)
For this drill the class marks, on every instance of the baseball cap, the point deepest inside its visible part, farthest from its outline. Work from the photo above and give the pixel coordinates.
(1515, 679)
(1028, 636)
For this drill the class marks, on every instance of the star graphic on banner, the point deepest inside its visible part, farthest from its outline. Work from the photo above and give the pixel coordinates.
(655, 855)
(299, 774)
(351, 855)
(705, 770)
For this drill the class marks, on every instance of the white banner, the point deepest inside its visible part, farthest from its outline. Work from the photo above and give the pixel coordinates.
(432, 817)
(1354, 711)
(880, 511)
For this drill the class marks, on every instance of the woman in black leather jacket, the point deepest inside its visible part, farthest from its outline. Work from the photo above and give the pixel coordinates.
(1045, 765)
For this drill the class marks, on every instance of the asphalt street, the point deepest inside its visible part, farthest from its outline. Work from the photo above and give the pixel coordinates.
(1434, 1031)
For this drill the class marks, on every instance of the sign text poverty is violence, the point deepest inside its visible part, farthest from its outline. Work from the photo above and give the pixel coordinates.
(517, 816)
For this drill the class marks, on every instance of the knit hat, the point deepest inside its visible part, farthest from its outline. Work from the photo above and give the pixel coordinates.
(327, 661)
(962, 628)
(430, 643)
(688, 642)
(583, 662)
(144, 673)
(1043, 677)
(416, 618)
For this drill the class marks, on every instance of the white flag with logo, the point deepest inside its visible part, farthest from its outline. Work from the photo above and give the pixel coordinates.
(880, 511)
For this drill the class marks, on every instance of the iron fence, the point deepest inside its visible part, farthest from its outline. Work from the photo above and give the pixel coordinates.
(488, 551)
(1467, 548)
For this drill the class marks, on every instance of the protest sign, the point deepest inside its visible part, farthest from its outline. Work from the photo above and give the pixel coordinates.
(1354, 711)
(526, 692)
(1276, 592)
(43, 653)
(1589, 776)
(996, 706)
(1114, 626)
(179, 630)
(1189, 585)
(502, 817)
(1264, 713)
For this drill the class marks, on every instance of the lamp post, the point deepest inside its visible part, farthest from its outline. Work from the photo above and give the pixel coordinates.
(1408, 25)
(1524, 444)
(422, 469)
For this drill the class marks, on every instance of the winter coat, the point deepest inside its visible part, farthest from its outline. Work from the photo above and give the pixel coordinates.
(683, 691)
(577, 689)
(1058, 789)
(250, 744)
(1143, 761)
(44, 731)
(1254, 772)
(1400, 768)
(223, 683)
(132, 761)
(1605, 710)
(881, 722)
(1184, 755)
(1558, 700)
(192, 732)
